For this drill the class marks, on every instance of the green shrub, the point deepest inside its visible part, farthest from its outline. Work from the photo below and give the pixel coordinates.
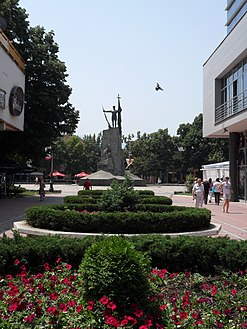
(144, 193)
(204, 255)
(113, 268)
(120, 197)
(157, 200)
(81, 199)
(138, 222)
(189, 182)
(90, 193)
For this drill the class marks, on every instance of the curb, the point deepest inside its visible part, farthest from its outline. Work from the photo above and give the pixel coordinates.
(23, 228)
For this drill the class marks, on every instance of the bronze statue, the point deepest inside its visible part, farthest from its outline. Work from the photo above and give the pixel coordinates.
(115, 117)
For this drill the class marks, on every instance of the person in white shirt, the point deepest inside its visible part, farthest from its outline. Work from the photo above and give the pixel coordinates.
(217, 190)
(226, 186)
(198, 193)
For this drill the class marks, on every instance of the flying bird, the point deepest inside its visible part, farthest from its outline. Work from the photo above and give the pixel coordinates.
(158, 87)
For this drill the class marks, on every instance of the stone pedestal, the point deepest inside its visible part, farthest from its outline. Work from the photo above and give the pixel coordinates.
(111, 159)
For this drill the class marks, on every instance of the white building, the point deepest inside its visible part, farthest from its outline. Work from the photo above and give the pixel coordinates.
(225, 94)
(12, 86)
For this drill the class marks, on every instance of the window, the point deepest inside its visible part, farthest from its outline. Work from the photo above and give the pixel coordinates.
(2, 99)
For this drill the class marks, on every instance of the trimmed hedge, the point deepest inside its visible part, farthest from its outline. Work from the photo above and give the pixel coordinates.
(143, 200)
(181, 220)
(205, 255)
(98, 193)
(90, 207)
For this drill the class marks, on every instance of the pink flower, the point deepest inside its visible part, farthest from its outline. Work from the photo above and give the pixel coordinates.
(68, 266)
(17, 262)
(58, 260)
(234, 292)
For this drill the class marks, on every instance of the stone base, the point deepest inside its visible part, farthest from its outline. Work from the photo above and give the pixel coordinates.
(104, 178)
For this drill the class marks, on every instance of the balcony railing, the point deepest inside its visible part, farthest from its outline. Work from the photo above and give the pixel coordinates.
(236, 105)
(10, 49)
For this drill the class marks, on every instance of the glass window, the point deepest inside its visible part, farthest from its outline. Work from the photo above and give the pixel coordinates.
(223, 96)
(245, 81)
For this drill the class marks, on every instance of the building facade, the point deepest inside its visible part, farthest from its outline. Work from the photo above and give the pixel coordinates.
(225, 94)
(12, 86)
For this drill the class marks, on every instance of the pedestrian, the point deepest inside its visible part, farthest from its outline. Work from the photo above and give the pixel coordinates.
(198, 193)
(226, 187)
(41, 189)
(87, 185)
(217, 191)
(210, 192)
(206, 190)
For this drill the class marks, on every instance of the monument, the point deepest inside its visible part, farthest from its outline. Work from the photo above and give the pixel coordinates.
(112, 165)
(111, 159)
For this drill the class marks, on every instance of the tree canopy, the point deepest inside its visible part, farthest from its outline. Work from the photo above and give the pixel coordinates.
(48, 113)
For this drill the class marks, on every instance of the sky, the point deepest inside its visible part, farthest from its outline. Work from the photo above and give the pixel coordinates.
(125, 47)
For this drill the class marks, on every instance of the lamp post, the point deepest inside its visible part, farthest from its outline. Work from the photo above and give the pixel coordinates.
(51, 189)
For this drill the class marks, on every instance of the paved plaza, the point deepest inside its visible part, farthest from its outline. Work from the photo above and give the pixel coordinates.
(234, 224)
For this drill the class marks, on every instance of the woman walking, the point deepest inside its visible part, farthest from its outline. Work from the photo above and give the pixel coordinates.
(226, 186)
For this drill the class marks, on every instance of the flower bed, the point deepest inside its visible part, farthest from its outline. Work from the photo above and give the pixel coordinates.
(53, 299)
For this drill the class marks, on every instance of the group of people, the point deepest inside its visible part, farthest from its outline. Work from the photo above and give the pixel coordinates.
(203, 191)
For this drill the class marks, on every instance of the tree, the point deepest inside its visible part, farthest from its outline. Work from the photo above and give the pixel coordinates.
(198, 150)
(75, 154)
(152, 153)
(48, 113)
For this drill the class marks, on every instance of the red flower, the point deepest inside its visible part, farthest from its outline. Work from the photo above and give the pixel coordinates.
(214, 290)
(47, 267)
(227, 311)
(216, 312)
(79, 308)
(183, 315)
(90, 305)
(72, 303)
(104, 300)
(234, 291)
(54, 296)
(30, 318)
(17, 262)
(112, 306)
(52, 310)
(58, 260)
(63, 307)
(68, 266)
(162, 307)
(13, 307)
